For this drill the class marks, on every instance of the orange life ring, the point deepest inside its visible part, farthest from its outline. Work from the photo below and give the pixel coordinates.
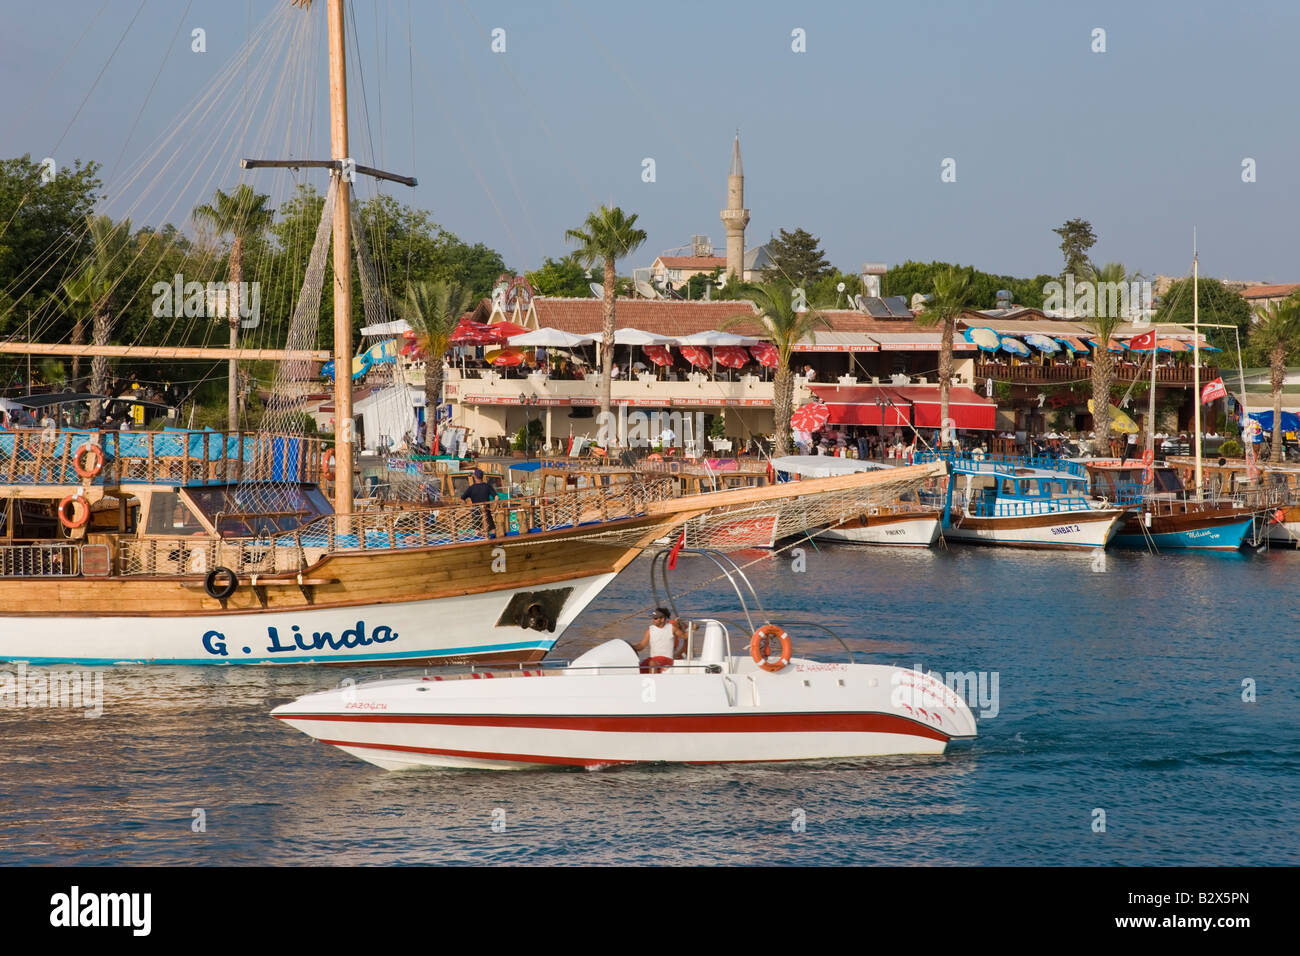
(96, 453)
(1148, 457)
(327, 460)
(79, 515)
(759, 647)
(654, 457)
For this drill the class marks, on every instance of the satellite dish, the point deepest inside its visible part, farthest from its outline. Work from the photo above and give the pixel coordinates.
(919, 300)
(646, 289)
(840, 287)
(859, 303)
(597, 290)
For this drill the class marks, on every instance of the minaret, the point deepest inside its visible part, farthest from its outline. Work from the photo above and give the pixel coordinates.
(735, 217)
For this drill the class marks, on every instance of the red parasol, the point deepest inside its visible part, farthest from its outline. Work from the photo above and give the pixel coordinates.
(731, 356)
(697, 356)
(765, 354)
(810, 417)
(502, 331)
(658, 354)
(472, 333)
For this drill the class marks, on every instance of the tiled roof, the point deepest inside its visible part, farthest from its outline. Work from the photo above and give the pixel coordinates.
(693, 262)
(1269, 291)
(657, 316)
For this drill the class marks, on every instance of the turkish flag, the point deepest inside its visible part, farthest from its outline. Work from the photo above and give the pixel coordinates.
(1212, 390)
(1144, 342)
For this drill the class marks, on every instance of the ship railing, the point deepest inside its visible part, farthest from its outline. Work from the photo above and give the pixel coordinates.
(1005, 465)
(290, 552)
(1008, 508)
(40, 560)
(48, 456)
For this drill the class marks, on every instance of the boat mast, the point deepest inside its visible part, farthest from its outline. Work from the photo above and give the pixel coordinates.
(343, 503)
(1196, 365)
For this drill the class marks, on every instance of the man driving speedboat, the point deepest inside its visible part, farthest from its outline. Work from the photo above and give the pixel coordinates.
(666, 642)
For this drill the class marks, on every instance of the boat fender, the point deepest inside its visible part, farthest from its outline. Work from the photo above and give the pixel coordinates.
(771, 474)
(327, 463)
(760, 647)
(73, 512)
(96, 464)
(223, 590)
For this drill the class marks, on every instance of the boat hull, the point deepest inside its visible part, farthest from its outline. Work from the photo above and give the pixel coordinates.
(807, 711)
(1187, 532)
(902, 530)
(404, 606)
(1076, 530)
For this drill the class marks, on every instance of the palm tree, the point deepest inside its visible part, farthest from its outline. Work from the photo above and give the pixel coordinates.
(606, 236)
(951, 295)
(432, 310)
(1275, 331)
(92, 291)
(784, 327)
(1105, 321)
(244, 216)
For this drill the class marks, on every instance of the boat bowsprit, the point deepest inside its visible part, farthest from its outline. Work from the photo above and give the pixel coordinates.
(605, 708)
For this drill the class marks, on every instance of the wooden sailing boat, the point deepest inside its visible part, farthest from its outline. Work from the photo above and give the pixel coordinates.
(1164, 512)
(160, 547)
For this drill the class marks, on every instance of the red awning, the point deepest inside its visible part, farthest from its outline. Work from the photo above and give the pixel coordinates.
(965, 408)
(862, 405)
(905, 404)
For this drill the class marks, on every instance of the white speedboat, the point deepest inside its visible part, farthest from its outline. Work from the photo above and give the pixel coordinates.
(711, 706)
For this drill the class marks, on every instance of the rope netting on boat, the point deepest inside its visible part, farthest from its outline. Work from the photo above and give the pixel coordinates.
(734, 527)
(270, 484)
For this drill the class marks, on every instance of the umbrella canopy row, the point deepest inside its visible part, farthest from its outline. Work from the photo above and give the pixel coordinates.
(989, 340)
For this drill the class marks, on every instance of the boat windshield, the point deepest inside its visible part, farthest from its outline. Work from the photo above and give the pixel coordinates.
(238, 510)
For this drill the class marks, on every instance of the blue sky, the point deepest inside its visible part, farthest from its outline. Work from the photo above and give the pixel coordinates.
(1145, 140)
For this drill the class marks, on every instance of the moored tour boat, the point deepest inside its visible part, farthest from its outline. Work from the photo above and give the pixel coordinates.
(1024, 504)
(897, 523)
(1167, 516)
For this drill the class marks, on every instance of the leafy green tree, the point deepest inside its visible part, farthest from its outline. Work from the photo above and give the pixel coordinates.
(697, 285)
(950, 294)
(1077, 238)
(912, 277)
(1277, 332)
(606, 236)
(1219, 305)
(797, 258)
(784, 328)
(432, 309)
(244, 216)
(564, 277)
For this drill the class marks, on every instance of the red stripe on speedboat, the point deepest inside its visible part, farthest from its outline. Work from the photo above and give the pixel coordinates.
(666, 724)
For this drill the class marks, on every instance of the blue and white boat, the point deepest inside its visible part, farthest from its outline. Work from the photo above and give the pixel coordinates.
(1023, 503)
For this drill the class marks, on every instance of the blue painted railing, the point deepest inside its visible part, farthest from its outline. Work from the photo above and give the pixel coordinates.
(1002, 464)
(1007, 507)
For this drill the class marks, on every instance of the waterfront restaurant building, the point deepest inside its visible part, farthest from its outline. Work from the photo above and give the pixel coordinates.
(877, 367)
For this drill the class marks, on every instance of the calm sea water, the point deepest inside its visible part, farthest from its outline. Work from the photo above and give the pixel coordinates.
(1118, 690)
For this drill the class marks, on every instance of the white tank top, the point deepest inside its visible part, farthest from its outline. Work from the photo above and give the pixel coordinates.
(661, 641)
